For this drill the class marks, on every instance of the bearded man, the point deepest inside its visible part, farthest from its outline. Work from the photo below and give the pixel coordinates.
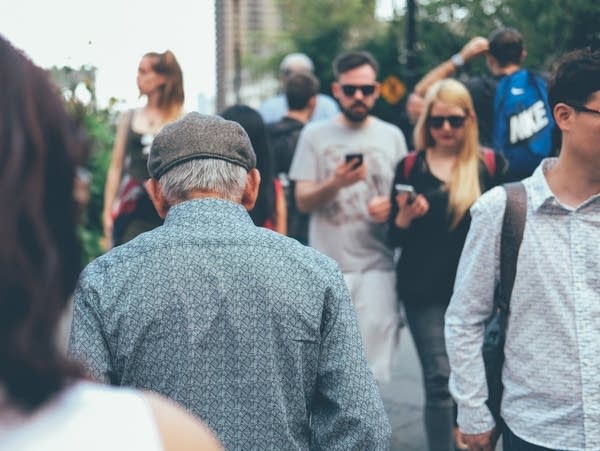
(343, 168)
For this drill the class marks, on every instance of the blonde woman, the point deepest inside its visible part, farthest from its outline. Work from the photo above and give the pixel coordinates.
(127, 208)
(448, 171)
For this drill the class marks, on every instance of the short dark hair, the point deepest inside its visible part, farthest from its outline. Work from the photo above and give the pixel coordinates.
(576, 78)
(506, 46)
(40, 258)
(351, 60)
(300, 87)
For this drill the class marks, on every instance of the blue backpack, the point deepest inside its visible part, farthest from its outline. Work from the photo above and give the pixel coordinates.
(523, 122)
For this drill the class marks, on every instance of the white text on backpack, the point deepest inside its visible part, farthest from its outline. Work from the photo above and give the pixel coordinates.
(527, 123)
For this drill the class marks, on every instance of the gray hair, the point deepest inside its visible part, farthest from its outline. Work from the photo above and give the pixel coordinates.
(204, 174)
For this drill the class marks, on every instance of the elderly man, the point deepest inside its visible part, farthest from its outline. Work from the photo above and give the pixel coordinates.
(248, 329)
(275, 108)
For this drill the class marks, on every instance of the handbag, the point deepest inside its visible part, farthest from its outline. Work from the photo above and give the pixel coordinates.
(513, 225)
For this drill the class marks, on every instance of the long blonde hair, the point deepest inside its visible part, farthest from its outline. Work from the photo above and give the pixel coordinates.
(463, 187)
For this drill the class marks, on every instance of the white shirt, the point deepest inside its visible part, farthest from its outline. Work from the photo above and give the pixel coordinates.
(86, 416)
(551, 374)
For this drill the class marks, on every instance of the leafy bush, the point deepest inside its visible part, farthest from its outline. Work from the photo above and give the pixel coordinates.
(77, 87)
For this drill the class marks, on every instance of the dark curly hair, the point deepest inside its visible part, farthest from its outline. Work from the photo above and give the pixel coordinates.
(40, 148)
(576, 78)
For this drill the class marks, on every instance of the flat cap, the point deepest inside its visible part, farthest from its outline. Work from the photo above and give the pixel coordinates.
(197, 136)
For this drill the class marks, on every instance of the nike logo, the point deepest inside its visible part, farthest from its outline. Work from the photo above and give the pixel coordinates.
(516, 91)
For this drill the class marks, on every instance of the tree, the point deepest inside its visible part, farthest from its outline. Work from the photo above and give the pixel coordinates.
(79, 91)
(324, 28)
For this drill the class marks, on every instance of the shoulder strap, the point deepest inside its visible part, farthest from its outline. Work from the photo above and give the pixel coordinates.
(489, 158)
(513, 226)
(409, 164)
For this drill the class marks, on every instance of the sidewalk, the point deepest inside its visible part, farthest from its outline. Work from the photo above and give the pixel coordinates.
(404, 399)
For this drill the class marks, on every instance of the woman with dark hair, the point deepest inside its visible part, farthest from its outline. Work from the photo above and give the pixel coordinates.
(270, 210)
(44, 404)
(127, 207)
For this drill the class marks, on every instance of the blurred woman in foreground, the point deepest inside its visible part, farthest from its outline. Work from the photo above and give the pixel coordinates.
(44, 402)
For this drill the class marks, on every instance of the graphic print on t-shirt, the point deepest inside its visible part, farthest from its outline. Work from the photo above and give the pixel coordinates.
(350, 204)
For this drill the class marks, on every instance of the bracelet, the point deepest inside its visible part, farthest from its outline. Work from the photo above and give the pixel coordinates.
(457, 60)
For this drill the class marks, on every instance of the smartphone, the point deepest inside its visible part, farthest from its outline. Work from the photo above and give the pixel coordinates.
(400, 188)
(355, 156)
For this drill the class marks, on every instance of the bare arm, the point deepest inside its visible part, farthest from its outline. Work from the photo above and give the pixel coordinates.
(113, 176)
(311, 195)
(475, 47)
(180, 430)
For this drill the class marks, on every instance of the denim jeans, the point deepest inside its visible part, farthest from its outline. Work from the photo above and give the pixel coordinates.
(426, 325)
(510, 442)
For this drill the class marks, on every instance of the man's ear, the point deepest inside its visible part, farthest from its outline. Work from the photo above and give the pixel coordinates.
(523, 55)
(562, 115)
(377, 89)
(336, 90)
(157, 197)
(251, 189)
(312, 103)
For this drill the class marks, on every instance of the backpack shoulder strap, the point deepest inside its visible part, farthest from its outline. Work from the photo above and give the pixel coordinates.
(489, 158)
(409, 164)
(513, 225)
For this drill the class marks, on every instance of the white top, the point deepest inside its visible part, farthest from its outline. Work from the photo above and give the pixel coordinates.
(86, 416)
(551, 380)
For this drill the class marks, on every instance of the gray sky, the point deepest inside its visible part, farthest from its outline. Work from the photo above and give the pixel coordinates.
(113, 35)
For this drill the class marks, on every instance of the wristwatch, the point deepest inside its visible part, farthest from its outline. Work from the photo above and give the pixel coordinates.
(457, 60)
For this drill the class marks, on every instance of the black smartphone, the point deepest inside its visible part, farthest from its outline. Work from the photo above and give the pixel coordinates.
(355, 156)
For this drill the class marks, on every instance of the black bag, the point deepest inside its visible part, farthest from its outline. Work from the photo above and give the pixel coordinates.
(513, 225)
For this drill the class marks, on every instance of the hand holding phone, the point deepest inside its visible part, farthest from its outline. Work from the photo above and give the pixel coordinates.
(401, 188)
(357, 157)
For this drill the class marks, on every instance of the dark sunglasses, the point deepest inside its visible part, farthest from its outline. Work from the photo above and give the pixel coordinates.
(454, 121)
(583, 109)
(350, 90)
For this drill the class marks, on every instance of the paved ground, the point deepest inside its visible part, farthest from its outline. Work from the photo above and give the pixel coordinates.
(403, 399)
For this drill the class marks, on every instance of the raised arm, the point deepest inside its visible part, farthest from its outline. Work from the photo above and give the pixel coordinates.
(475, 47)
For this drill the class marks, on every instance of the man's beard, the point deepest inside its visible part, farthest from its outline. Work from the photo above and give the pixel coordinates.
(356, 116)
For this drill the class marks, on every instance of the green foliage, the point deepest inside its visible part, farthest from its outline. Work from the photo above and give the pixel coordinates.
(99, 126)
(324, 28)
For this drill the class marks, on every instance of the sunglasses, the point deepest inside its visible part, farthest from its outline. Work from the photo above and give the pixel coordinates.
(583, 109)
(350, 90)
(454, 121)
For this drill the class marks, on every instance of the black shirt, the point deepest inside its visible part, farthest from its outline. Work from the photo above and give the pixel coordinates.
(483, 91)
(430, 249)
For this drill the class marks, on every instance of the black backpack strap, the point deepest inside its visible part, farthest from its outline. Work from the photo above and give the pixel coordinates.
(513, 226)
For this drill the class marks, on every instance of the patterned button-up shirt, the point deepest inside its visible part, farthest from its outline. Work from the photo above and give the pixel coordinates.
(248, 329)
(551, 374)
